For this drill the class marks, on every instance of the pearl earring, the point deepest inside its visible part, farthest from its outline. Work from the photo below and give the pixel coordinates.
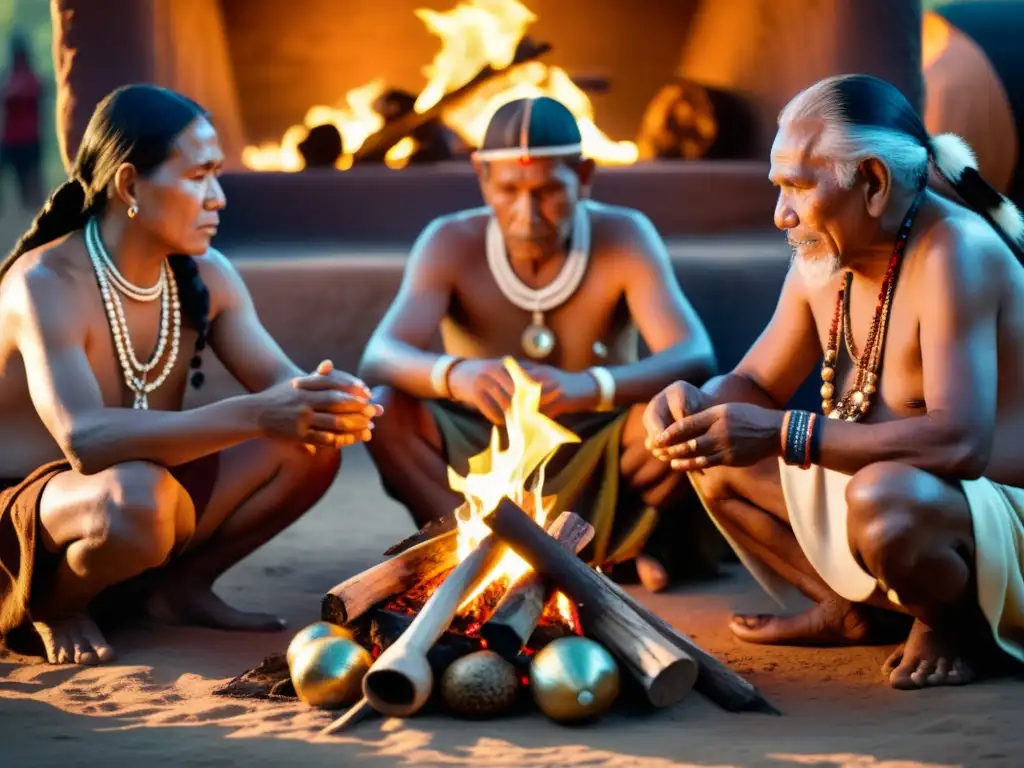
(133, 211)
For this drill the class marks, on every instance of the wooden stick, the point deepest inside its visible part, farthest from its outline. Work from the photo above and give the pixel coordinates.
(353, 597)
(377, 145)
(666, 672)
(400, 681)
(724, 687)
(355, 714)
(513, 621)
(433, 529)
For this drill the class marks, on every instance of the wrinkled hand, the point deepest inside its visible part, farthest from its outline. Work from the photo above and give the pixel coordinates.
(563, 392)
(667, 407)
(483, 385)
(733, 434)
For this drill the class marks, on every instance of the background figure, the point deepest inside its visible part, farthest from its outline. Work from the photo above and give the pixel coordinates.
(20, 140)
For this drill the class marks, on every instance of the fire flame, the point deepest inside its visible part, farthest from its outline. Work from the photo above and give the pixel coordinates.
(474, 34)
(533, 439)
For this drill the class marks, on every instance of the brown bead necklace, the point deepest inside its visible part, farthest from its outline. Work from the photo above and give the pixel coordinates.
(857, 401)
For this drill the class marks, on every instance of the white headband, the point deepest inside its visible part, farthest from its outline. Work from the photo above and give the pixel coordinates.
(513, 153)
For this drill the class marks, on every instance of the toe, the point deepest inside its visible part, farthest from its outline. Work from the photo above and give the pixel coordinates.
(941, 672)
(902, 677)
(893, 661)
(94, 639)
(959, 673)
(925, 669)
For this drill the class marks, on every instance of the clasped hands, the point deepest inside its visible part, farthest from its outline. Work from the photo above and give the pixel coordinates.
(692, 434)
(329, 408)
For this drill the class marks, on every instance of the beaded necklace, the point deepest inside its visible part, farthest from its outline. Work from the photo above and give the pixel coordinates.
(856, 402)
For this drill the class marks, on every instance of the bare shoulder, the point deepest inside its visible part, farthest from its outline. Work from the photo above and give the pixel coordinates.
(625, 233)
(47, 284)
(451, 241)
(961, 255)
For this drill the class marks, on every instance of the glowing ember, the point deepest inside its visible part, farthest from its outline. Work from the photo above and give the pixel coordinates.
(474, 35)
(495, 473)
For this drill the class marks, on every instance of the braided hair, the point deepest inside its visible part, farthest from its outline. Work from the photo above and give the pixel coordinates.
(135, 124)
(869, 117)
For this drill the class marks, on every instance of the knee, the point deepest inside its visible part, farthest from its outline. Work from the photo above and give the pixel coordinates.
(403, 418)
(311, 472)
(884, 519)
(139, 513)
(713, 485)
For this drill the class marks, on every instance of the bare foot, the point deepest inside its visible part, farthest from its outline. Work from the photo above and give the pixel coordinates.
(652, 574)
(194, 605)
(829, 623)
(73, 639)
(928, 658)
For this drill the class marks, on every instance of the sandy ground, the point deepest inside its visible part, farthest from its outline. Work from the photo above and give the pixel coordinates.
(157, 704)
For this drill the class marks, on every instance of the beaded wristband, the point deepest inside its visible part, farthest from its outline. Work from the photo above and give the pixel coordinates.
(796, 437)
(808, 440)
(814, 449)
(784, 432)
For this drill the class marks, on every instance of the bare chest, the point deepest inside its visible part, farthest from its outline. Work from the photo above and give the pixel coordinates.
(145, 338)
(859, 336)
(591, 327)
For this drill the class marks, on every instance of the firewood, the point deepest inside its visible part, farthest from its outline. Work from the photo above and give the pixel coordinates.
(401, 680)
(664, 670)
(353, 597)
(516, 616)
(716, 681)
(377, 145)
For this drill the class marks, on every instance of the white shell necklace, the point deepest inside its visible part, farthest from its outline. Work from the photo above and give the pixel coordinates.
(538, 340)
(166, 289)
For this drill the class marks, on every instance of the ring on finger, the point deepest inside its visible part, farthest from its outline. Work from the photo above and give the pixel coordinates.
(691, 445)
(701, 461)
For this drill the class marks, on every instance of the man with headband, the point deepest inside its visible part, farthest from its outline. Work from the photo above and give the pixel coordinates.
(901, 503)
(562, 284)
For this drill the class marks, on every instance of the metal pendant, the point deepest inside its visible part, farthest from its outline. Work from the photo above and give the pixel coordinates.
(538, 341)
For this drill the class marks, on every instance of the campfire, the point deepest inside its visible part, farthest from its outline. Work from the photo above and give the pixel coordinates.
(485, 60)
(497, 592)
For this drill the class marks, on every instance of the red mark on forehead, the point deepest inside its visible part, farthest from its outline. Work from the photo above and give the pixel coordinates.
(525, 160)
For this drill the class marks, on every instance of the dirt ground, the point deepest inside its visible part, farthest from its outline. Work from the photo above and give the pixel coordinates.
(157, 704)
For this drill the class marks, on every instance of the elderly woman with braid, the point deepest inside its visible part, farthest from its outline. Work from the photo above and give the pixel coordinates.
(901, 503)
(115, 498)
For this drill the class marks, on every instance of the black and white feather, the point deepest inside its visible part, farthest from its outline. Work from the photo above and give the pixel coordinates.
(955, 160)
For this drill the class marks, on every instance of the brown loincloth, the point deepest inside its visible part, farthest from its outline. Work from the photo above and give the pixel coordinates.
(20, 564)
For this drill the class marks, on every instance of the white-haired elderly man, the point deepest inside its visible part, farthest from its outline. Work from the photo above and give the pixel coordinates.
(905, 493)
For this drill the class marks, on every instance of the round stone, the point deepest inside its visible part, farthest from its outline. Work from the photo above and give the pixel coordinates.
(830, 355)
(869, 389)
(827, 373)
(834, 415)
(872, 378)
(826, 407)
(858, 397)
(826, 391)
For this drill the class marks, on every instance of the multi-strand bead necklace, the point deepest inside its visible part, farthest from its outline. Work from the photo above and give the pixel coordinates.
(856, 402)
(112, 286)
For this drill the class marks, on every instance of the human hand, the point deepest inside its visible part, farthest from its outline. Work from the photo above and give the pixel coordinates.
(484, 385)
(312, 410)
(563, 392)
(733, 434)
(670, 405)
(342, 381)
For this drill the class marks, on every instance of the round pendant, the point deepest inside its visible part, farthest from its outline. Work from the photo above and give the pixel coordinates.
(538, 341)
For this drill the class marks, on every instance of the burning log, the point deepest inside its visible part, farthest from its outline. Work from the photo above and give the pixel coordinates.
(727, 689)
(353, 597)
(377, 145)
(516, 616)
(664, 670)
(401, 680)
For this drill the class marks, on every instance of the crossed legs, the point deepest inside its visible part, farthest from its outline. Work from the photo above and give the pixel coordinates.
(135, 517)
(910, 530)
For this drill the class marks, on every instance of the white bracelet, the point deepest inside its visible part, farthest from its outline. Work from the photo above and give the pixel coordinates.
(439, 375)
(605, 386)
